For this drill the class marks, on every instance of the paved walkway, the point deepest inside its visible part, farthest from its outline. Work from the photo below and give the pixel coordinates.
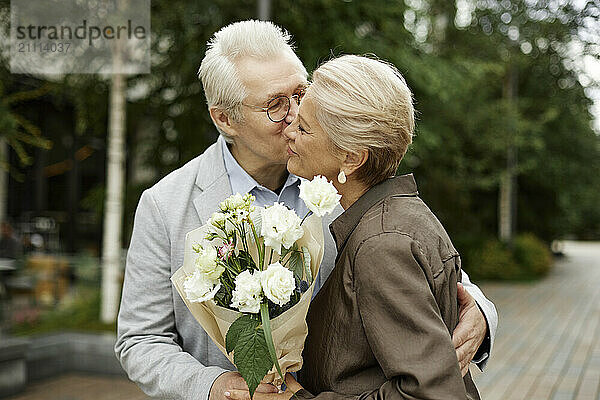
(82, 387)
(548, 339)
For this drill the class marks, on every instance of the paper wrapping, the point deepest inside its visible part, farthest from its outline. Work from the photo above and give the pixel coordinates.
(289, 329)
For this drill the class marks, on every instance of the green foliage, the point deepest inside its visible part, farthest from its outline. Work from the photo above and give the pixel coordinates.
(250, 351)
(466, 122)
(243, 323)
(18, 131)
(528, 258)
(246, 261)
(295, 264)
(223, 296)
(532, 255)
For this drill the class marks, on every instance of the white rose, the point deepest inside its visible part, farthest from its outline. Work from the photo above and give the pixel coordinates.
(278, 283)
(206, 262)
(198, 287)
(320, 196)
(280, 226)
(247, 292)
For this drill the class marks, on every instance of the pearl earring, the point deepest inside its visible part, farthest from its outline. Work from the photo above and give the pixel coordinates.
(341, 177)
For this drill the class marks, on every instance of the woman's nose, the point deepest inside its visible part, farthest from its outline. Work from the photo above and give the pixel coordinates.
(291, 130)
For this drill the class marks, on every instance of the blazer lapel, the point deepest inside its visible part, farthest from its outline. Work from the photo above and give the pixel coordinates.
(212, 180)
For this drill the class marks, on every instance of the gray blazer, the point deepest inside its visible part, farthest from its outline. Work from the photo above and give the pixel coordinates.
(159, 344)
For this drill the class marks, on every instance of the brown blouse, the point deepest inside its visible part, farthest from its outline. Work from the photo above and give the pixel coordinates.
(380, 327)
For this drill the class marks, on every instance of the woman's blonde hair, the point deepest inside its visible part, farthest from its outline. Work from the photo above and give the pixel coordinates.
(364, 104)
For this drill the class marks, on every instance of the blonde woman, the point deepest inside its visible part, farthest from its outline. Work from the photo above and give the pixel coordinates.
(381, 325)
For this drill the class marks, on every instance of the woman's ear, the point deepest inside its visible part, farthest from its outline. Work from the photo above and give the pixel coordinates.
(222, 120)
(354, 161)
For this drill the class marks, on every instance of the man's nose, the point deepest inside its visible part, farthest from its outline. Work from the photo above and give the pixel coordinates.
(294, 107)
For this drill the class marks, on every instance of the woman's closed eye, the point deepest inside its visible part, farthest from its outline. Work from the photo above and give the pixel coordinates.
(302, 130)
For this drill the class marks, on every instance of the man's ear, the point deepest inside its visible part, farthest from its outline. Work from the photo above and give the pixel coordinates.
(354, 161)
(222, 121)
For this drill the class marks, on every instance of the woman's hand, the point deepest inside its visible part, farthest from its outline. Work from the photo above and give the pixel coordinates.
(292, 386)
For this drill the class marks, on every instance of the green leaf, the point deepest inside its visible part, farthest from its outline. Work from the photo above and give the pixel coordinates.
(308, 272)
(295, 264)
(251, 356)
(264, 314)
(223, 297)
(246, 261)
(284, 251)
(242, 324)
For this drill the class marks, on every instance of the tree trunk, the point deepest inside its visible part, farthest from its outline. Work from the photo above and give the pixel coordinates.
(3, 179)
(264, 10)
(113, 209)
(507, 208)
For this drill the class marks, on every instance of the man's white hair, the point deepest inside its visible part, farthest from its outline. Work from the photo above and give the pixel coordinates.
(222, 84)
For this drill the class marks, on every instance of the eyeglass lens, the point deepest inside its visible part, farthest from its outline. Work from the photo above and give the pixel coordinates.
(279, 107)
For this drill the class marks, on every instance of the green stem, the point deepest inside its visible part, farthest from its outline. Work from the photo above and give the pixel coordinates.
(266, 323)
(244, 241)
(260, 249)
(307, 214)
(270, 257)
(231, 269)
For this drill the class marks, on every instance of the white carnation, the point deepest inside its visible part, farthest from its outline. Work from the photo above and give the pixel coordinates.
(206, 262)
(278, 283)
(280, 226)
(320, 196)
(198, 287)
(247, 293)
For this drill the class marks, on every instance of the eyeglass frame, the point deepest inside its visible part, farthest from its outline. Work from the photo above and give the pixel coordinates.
(297, 98)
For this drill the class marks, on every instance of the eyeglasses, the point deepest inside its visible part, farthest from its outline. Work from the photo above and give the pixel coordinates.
(279, 107)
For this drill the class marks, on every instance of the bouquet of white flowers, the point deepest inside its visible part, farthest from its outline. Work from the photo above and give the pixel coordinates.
(259, 262)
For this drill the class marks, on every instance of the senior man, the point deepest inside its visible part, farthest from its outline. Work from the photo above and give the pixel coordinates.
(253, 83)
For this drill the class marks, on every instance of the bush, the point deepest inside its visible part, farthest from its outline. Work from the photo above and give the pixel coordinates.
(489, 259)
(532, 255)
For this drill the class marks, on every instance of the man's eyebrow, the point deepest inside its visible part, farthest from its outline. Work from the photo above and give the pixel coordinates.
(303, 122)
(272, 95)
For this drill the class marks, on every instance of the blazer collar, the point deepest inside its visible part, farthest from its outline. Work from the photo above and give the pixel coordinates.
(212, 180)
(344, 225)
